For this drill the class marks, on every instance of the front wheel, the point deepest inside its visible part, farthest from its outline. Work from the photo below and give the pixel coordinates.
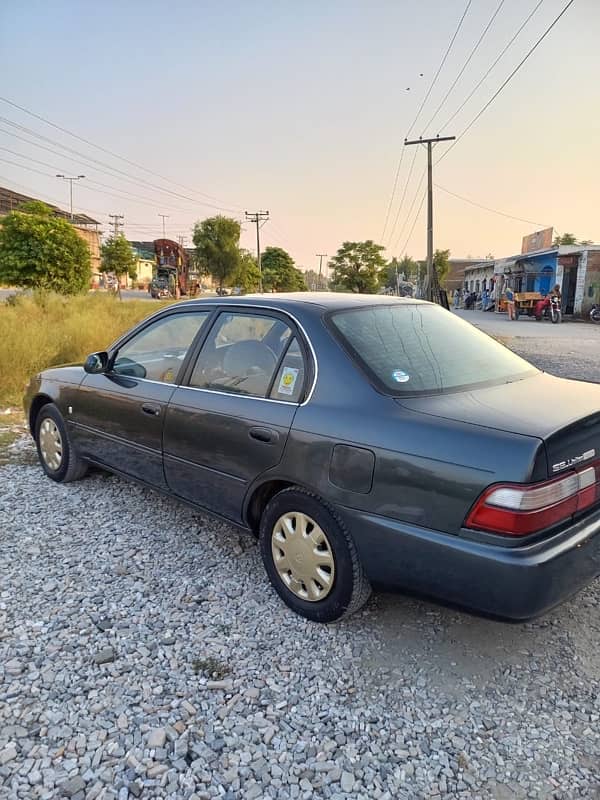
(555, 316)
(310, 557)
(57, 455)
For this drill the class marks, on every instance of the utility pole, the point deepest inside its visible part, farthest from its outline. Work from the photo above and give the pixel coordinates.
(257, 217)
(71, 178)
(430, 143)
(116, 220)
(320, 256)
(164, 217)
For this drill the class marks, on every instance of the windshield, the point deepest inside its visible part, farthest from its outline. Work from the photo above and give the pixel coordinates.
(424, 349)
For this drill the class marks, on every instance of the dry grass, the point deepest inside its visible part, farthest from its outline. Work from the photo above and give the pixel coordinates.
(44, 330)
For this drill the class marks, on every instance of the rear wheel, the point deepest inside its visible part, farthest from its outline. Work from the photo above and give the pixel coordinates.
(310, 557)
(55, 451)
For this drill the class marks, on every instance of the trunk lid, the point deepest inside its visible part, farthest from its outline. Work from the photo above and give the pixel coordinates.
(565, 414)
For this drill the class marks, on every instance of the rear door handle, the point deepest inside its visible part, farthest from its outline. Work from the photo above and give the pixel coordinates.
(266, 435)
(149, 408)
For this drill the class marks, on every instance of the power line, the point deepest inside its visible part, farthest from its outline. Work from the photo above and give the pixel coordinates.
(492, 210)
(439, 69)
(467, 62)
(510, 77)
(127, 176)
(460, 108)
(414, 122)
(410, 172)
(408, 238)
(143, 199)
(412, 205)
(105, 150)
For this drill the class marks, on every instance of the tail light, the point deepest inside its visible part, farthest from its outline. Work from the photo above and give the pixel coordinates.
(518, 509)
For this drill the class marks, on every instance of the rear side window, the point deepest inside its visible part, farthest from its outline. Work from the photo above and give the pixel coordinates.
(424, 349)
(241, 354)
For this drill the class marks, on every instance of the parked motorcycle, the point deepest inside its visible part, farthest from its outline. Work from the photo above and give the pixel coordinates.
(595, 313)
(549, 309)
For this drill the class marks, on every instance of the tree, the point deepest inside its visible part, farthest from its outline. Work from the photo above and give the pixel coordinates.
(217, 247)
(441, 262)
(316, 282)
(569, 238)
(118, 258)
(247, 276)
(279, 272)
(39, 250)
(407, 269)
(356, 266)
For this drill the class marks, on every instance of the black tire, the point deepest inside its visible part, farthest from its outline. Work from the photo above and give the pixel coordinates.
(350, 589)
(555, 316)
(71, 466)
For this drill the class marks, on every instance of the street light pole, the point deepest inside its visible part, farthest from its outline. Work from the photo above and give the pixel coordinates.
(71, 178)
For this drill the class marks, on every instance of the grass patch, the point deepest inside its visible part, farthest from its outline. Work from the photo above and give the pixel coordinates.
(43, 330)
(211, 667)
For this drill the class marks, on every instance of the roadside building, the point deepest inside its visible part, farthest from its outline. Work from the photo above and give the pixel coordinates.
(455, 278)
(478, 277)
(145, 264)
(574, 268)
(85, 227)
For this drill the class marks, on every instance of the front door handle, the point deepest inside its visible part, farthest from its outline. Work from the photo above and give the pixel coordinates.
(149, 408)
(266, 435)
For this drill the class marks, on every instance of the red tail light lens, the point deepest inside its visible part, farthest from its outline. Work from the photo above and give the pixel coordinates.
(518, 509)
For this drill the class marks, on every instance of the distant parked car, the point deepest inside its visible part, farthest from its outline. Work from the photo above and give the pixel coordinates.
(367, 441)
(222, 292)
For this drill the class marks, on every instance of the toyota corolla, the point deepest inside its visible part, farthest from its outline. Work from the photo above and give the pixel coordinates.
(366, 441)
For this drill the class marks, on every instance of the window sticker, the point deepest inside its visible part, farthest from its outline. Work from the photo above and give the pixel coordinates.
(400, 376)
(287, 380)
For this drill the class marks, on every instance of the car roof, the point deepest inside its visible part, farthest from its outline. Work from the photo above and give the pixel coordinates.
(324, 301)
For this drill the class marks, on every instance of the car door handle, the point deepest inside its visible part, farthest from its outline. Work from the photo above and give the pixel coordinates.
(149, 408)
(266, 435)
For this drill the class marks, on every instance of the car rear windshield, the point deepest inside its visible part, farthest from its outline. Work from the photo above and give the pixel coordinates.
(412, 349)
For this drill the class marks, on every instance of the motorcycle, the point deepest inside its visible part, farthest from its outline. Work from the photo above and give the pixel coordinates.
(549, 308)
(595, 313)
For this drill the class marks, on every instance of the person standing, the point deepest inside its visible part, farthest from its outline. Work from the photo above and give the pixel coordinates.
(510, 302)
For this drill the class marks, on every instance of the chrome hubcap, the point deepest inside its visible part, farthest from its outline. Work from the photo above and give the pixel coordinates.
(51, 445)
(302, 556)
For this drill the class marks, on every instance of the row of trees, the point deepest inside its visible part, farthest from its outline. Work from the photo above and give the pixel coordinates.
(218, 253)
(39, 250)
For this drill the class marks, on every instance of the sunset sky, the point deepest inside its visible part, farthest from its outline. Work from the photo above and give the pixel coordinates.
(301, 109)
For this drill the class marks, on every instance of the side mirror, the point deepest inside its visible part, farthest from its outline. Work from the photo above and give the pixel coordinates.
(96, 363)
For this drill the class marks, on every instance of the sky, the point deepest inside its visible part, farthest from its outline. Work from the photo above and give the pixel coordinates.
(301, 109)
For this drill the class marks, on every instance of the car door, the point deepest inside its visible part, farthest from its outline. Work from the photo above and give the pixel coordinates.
(118, 415)
(231, 419)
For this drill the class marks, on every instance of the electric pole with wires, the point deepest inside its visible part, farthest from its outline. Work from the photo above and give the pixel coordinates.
(116, 221)
(258, 217)
(431, 278)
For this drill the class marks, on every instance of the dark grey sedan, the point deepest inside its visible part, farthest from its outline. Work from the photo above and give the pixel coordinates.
(367, 441)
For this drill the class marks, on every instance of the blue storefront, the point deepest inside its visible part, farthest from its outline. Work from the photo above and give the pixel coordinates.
(537, 271)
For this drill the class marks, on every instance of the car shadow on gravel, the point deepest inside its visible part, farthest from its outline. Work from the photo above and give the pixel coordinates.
(457, 651)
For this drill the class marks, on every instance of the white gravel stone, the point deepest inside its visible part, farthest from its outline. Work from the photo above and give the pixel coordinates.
(405, 699)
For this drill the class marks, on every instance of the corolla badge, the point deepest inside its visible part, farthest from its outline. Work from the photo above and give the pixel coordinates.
(570, 462)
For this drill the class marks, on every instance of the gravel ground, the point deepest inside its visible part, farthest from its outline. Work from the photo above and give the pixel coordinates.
(143, 654)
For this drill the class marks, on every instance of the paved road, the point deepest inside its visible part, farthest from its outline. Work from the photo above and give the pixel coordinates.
(569, 350)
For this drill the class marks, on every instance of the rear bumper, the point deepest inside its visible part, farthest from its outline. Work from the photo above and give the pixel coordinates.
(511, 582)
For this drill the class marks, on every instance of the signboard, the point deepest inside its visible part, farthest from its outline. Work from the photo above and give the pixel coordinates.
(540, 240)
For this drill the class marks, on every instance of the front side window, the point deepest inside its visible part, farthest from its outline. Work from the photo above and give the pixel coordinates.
(157, 352)
(424, 349)
(242, 355)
